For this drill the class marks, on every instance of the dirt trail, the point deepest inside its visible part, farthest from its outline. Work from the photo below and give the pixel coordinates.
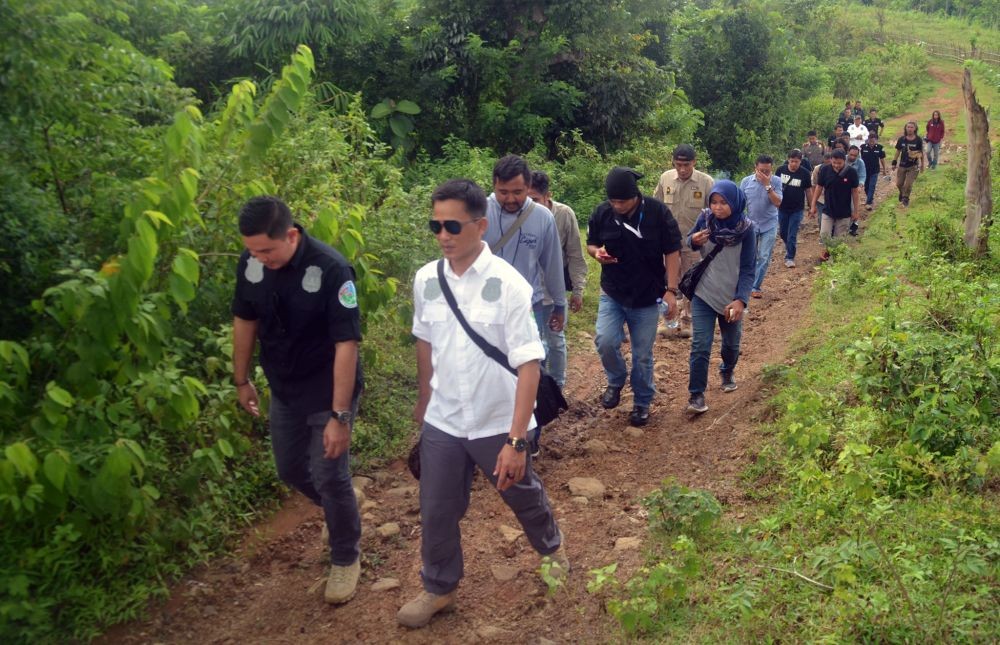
(271, 592)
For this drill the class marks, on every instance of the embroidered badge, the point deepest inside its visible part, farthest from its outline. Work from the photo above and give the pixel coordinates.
(313, 279)
(255, 270)
(491, 290)
(697, 194)
(432, 289)
(348, 295)
(668, 190)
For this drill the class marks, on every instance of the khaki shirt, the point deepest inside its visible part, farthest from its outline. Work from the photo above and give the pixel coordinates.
(572, 249)
(685, 199)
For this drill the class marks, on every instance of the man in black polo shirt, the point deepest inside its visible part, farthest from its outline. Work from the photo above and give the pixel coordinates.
(796, 183)
(296, 296)
(873, 154)
(840, 187)
(873, 123)
(637, 242)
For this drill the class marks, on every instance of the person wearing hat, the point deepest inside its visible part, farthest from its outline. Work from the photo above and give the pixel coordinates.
(637, 243)
(685, 192)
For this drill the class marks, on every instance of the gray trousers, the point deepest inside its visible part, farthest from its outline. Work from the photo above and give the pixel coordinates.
(297, 442)
(446, 467)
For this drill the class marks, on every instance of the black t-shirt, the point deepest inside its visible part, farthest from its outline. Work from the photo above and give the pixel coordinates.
(911, 151)
(639, 277)
(834, 139)
(874, 125)
(872, 155)
(793, 187)
(302, 309)
(845, 121)
(837, 190)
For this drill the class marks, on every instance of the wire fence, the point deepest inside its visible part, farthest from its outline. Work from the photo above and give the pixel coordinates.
(951, 52)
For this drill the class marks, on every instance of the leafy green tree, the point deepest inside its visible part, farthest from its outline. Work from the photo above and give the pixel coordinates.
(746, 78)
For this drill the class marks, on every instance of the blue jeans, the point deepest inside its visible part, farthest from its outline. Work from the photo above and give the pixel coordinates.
(703, 319)
(555, 348)
(297, 442)
(788, 229)
(933, 152)
(641, 323)
(765, 245)
(870, 182)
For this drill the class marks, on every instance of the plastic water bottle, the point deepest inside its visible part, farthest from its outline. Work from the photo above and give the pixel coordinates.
(664, 308)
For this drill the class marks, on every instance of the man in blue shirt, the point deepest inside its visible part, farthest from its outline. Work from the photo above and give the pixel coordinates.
(763, 191)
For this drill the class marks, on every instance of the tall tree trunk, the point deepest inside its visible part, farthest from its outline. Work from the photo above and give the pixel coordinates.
(978, 187)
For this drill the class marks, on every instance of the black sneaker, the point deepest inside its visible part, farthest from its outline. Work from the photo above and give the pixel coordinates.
(906, 201)
(854, 229)
(612, 397)
(639, 416)
(728, 383)
(696, 403)
(533, 448)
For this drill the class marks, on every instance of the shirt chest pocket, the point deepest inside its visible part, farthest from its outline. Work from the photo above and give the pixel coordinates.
(668, 197)
(434, 312)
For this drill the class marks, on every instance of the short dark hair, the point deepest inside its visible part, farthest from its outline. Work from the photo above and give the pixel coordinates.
(764, 159)
(838, 154)
(872, 110)
(795, 154)
(506, 168)
(465, 191)
(265, 214)
(540, 181)
(811, 133)
(854, 148)
(827, 153)
(838, 126)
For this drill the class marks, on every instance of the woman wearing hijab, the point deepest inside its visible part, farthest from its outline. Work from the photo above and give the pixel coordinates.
(934, 135)
(723, 291)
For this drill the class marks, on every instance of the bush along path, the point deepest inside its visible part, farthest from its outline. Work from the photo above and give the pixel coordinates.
(690, 559)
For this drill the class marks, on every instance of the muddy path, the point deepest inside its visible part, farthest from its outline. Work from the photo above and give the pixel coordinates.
(271, 590)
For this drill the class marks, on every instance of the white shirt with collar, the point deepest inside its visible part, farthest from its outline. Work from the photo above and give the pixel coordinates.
(472, 396)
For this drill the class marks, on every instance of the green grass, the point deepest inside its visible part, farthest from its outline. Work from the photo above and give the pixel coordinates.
(928, 28)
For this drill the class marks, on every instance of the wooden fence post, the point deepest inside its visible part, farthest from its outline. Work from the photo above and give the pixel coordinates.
(978, 187)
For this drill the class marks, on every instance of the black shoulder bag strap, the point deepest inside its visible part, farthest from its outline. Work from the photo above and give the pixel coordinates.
(490, 350)
(502, 242)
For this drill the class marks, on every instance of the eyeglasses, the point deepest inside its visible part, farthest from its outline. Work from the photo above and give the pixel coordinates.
(453, 226)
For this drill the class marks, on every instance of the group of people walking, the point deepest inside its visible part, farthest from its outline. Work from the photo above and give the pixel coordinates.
(489, 317)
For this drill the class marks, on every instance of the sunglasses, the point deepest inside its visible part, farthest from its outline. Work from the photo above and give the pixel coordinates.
(453, 226)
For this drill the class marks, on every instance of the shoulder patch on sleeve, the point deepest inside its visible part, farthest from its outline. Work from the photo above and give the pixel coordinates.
(348, 295)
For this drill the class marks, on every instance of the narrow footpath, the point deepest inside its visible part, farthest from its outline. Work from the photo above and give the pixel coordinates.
(272, 590)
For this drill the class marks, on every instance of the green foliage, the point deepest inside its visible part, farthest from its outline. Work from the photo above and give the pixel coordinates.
(264, 31)
(654, 591)
(674, 508)
(888, 78)
(756, 84)
(122, 443)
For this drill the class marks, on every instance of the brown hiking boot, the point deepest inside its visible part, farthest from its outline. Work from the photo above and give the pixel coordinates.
(343, 582)
(559, 568)
(419, 611)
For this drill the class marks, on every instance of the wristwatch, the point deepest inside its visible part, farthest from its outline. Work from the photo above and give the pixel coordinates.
(519, 445)
(768, 188)
(343, 416)
(674, 290)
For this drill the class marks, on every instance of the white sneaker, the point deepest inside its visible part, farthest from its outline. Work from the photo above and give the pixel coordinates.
(790, 264)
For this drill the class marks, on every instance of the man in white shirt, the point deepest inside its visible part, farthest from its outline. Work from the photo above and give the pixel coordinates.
(472, 410)
(857, 132)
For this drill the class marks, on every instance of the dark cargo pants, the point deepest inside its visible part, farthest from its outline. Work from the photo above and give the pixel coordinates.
(447, 464)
